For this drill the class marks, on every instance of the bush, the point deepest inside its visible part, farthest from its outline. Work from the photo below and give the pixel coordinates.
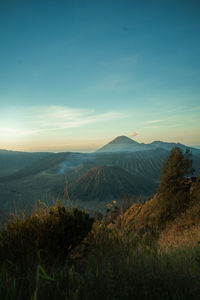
(45, 235)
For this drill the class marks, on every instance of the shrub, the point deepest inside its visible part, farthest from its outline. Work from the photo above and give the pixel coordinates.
(48, 233)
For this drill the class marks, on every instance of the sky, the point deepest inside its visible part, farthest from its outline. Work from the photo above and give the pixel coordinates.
(76, 74)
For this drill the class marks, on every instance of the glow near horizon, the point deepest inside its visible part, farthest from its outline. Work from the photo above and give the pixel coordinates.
(58, 128)
(75, 76)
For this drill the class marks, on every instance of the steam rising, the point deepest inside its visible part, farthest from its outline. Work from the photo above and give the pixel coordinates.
(133, 134)
(74, 160)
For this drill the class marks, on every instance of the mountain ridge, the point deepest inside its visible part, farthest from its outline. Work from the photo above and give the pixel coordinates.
(126, 144)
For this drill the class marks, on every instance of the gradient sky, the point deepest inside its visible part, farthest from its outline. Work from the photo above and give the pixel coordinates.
(76, 74)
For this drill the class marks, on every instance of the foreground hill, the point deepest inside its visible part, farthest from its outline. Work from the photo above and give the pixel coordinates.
(182, 229)
(109, 183)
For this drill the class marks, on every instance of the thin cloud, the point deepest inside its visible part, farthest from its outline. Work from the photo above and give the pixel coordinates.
(148, 127)
(152, 121)
(59, 117)
(6, 132)
(51, 118)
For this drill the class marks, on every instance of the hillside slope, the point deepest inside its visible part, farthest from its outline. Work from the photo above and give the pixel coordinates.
(181, 230)
(13, 161)
(108, 183)
(140, 163)
(47, 162)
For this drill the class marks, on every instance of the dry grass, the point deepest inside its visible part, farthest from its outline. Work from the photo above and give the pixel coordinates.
(184, 230)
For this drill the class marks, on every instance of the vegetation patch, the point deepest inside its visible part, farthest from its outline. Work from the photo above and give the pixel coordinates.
(48, 233)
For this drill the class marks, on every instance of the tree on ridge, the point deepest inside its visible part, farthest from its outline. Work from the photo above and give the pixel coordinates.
(172, 191)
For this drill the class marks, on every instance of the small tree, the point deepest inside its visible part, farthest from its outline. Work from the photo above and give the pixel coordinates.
(172, 191)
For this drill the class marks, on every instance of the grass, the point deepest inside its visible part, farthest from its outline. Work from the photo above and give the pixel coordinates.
(106, 265)
(60, 253)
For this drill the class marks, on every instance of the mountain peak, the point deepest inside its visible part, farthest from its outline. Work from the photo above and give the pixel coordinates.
(123, 140)
(120, 144)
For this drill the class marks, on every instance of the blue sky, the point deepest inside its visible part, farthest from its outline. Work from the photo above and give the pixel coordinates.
(75, 74)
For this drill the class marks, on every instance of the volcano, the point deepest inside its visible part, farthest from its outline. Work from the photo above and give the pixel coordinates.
(121, 144)
(108, 183)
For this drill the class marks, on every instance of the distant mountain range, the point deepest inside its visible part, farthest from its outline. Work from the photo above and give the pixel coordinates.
(138, 159)
(125, 144)
(123, 166)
